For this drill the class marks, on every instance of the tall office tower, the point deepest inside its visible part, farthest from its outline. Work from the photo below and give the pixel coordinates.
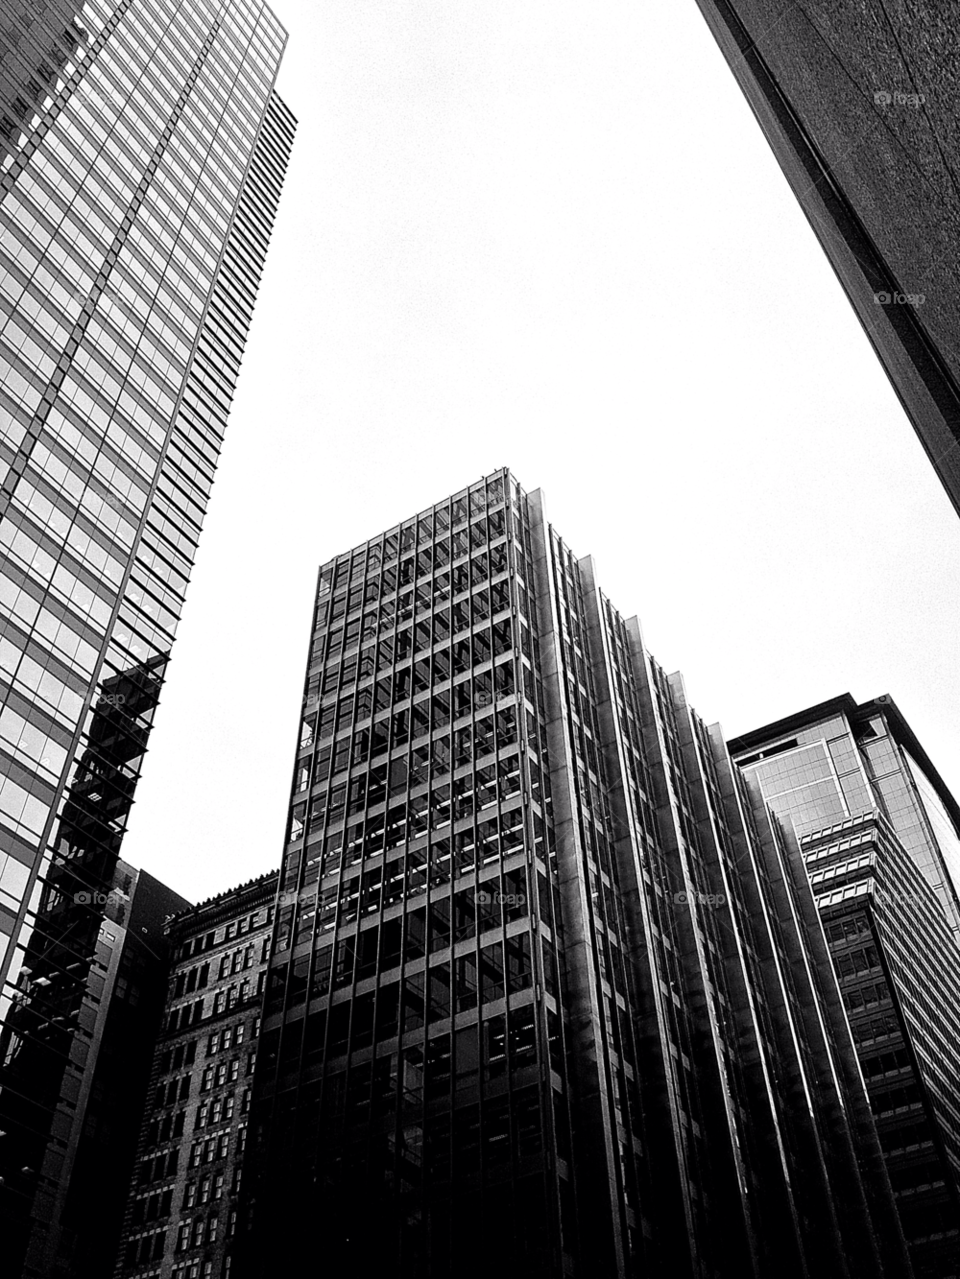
(877, 832)
(142, 167)
(536, 1005)
(182, 1204)
(857, 103)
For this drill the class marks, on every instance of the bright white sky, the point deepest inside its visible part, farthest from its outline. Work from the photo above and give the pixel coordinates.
(548, 235)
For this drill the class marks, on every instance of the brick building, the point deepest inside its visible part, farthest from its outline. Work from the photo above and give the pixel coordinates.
(180, 1216)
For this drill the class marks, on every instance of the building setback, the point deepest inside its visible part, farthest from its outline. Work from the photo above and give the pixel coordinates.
(143, 151)
(542, 999)
(868, 817)
(857, 103)
(181, 1212)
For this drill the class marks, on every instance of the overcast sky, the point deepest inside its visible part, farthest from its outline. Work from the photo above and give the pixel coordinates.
(548, 235)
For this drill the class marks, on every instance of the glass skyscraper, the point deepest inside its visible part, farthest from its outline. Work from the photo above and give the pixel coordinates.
(143, 151)
(876, 830)
(857, 102)
(546, 997)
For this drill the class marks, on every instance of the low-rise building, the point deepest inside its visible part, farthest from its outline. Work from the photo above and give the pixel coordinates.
(181, 1215)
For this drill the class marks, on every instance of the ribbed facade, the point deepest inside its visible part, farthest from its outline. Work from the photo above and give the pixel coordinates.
(139, 184)
(542, 1000)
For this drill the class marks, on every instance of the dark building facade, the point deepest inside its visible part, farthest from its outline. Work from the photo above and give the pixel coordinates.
(143, 152)
(76, 1051)
(181, 1211)
(876, 831)
(857, 102)
(543, 997)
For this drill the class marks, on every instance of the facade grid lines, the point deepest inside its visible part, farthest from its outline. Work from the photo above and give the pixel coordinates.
(526, 923)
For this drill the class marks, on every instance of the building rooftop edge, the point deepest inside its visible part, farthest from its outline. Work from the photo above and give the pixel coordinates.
(412, 519)
(857, 712)
(250, 888)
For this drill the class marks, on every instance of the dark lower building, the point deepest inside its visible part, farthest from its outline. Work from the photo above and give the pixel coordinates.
(181, 1196)
(76, 1052)
(93, 1181)
(542, 999)
(857, 102)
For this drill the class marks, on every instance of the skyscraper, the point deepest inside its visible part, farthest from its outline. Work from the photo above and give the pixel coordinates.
(876, 830)
(857, 103)
(144, 150)
(542, 1001)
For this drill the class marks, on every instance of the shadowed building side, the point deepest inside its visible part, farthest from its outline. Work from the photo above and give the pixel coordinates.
(858, 104)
